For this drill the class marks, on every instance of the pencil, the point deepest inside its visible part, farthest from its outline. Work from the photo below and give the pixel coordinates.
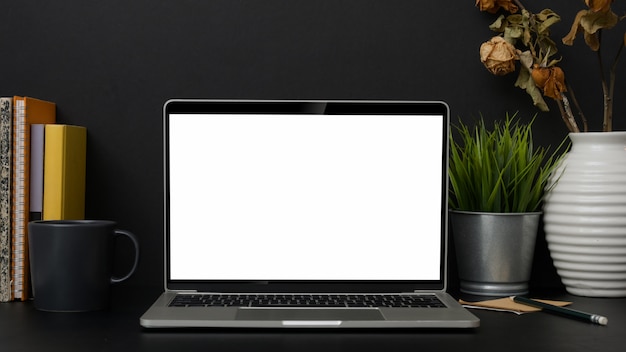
(566, 312)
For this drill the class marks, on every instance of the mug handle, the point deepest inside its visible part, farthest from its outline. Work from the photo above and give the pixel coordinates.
(133, 239)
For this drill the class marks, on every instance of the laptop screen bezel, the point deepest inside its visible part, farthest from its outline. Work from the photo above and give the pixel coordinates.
(320, 107)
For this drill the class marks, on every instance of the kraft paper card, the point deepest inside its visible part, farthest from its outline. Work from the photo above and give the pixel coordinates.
(506, 304)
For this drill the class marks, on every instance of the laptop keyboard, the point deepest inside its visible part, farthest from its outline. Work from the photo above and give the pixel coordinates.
(306, 300)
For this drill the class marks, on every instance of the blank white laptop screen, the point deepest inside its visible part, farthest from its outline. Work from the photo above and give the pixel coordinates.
(305, 197)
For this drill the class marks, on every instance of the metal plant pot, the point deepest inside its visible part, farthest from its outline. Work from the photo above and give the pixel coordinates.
(494, 251)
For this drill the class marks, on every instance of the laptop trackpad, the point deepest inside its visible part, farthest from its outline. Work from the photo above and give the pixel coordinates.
(308, 314)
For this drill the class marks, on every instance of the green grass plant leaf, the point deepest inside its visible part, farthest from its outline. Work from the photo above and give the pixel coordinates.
(498, 170)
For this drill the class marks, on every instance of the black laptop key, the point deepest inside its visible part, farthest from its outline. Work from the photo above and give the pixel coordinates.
(312, 301)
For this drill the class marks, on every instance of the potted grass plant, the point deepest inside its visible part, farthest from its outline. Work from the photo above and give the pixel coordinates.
(497, 181)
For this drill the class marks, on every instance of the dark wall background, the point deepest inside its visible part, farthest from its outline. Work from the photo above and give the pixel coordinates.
(110, 66)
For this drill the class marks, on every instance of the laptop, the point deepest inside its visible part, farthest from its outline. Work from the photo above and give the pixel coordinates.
(306, 214)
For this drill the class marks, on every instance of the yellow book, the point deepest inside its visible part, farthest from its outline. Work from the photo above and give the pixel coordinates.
(65, 157)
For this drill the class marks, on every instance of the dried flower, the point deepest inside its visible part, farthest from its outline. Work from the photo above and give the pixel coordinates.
(599, 5)
(551, 80)
(598, 17)
(498, 56)
(492, 6)
(526, 37)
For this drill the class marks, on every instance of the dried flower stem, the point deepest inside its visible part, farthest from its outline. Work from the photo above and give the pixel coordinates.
(612, 86)
(566, 115)
(570, 114)
(580, 111)
(606, 94)
(519, 4)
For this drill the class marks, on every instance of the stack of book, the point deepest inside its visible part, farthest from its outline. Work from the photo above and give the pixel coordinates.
(42, 176)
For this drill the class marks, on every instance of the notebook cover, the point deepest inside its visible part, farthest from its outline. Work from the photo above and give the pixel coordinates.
(27, 111)
(6, 122)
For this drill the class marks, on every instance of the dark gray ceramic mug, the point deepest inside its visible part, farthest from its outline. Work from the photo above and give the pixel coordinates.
(71, 263)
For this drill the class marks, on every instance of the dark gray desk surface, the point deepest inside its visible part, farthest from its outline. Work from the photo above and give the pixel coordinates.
(22, 328)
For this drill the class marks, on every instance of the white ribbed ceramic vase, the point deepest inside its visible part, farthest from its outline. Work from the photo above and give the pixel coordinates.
(585, 216)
